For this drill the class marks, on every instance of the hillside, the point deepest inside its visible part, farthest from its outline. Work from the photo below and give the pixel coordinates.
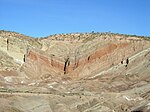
(76, 72)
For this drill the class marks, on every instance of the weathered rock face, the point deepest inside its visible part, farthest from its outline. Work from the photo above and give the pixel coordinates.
(78, 59)
(74, 72)
(16, 45)
(75, 55)
(41, 65)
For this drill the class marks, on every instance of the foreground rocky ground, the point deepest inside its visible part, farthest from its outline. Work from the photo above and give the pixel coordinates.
(88, 72)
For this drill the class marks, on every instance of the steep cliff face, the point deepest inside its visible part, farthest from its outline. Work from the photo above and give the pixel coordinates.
(74, 72)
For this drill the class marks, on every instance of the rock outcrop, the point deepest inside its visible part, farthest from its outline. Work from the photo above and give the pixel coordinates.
(82, 72)
(69, 57)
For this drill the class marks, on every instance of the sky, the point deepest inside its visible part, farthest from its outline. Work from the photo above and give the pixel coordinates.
(39, 18)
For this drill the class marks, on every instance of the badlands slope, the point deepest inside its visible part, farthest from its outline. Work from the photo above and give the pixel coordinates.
(81, 72)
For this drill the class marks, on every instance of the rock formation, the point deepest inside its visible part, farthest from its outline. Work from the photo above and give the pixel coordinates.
(83, 72)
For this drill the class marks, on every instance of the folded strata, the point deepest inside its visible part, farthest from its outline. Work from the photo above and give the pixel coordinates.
(79, 62)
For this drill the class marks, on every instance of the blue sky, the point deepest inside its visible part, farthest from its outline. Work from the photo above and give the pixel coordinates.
(39, 18)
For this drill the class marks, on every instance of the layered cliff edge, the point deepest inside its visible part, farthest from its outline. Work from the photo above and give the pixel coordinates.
(79, 63)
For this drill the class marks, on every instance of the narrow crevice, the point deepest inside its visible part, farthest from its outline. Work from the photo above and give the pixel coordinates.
(65, 66)
(24, 58)
(127, 62)
(88, 58)
(7, 44)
